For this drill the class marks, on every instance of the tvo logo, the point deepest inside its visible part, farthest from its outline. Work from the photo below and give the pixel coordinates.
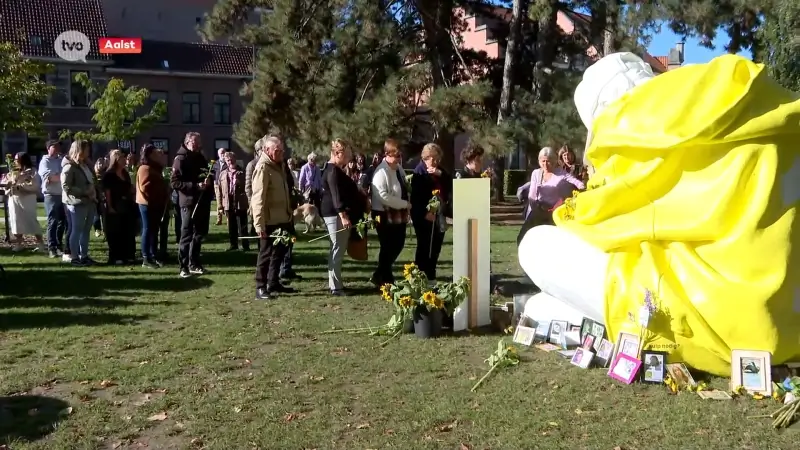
(72, 46)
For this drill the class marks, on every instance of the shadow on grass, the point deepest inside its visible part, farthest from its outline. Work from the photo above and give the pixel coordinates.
(74, 303)
(29, 417)
(62, 319)
(24, 283)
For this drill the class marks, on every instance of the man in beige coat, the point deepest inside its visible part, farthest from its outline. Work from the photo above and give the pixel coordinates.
(271, 207)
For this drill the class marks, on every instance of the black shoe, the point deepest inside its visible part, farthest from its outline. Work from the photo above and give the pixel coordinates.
(338, 293)
(291, 276)
(263, 294)
(281, 289)
(149, 264)
(78, 263)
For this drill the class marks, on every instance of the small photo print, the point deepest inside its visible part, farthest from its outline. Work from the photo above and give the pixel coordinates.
(548, 347)
(751, 373)
(582, 358)
(680, 374)
(752, 370)
(586, 327)
(604, 352)
(575, 328)
(588, 342)
(542, 330)
(598, 330)
(524, 335)
(654, 364)
(714, 395)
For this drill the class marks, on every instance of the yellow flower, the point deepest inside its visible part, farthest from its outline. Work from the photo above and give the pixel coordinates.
(435, 192)
(485, 174)
(213, 161)
(405, 301)
(758, 397)
(575, 193)
(429, 297)
(438, 303)
(775, 395)
(294, 239)
(377, 219)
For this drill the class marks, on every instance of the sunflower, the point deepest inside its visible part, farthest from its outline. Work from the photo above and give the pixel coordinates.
(377, 219)
(405, 301)
(429, 298)
(294, 239)
(435, 192)
(408, 271)
(438, 303)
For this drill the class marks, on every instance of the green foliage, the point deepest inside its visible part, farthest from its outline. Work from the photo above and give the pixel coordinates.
(512, 180)
(117, 111)
(21, 85)
(780, 43)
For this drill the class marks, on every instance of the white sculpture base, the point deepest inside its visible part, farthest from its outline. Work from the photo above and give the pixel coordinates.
(570, 272)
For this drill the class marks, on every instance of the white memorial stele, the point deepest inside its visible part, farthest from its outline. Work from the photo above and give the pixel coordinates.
(570, 272)
(472, 200)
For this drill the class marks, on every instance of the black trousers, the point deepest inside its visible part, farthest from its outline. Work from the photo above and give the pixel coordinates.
(176, 212)
(121, 236)
(193, 230)
(237, 226)
(270, 257)
(163, 235)
(392, 238)
(429, 245)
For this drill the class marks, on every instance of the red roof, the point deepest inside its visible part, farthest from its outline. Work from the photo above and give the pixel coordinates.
(34, 25)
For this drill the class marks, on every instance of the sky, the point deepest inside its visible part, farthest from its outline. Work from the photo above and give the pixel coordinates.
(693, 52)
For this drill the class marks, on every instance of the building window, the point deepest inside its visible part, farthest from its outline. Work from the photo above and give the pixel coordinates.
(160, 143)
(78, 95)
(222, 143)
(155, 96)
(191, 107)
(222, 109)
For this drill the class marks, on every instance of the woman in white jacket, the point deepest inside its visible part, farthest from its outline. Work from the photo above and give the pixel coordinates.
(390, 208)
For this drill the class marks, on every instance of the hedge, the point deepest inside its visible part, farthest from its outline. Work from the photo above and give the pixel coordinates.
(512, 180)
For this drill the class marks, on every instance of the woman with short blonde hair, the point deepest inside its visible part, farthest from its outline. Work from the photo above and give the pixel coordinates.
(121, 210)
(79, 194)
(430, 180)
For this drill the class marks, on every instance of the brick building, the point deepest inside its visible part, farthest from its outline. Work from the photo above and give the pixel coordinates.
(199, 82)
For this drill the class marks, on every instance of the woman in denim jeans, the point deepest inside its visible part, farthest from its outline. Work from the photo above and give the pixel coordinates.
(79, 194)
(151, 197)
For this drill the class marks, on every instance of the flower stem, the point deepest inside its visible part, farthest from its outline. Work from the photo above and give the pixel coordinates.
(349, 330)
(484, 377)
(326, 235)
(390, 339)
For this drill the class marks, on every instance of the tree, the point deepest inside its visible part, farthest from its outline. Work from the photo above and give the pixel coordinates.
(779, 45)
(22, 88)
(117, 111)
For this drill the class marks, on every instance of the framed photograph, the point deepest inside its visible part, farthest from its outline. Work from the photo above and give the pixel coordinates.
(604, 352)
(575, 328)
(681, 375)
(586, 327)
(714, 395)
(582, 358)
(624, 368)
(524, 335)
(588, 342)
(598, 331)
(557, 330)
(752, 370)
(654, 366)
(542, 331)
(627, 344)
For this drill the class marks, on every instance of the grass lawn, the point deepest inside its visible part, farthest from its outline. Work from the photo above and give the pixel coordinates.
(122, 358)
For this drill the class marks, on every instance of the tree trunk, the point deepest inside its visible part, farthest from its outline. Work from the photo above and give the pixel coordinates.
(507, 91)
(610, 44)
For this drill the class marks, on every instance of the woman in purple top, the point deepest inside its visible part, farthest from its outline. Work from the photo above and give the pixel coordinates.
(549, 186)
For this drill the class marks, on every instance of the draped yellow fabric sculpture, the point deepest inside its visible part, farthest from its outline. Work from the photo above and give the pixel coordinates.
(695, 198)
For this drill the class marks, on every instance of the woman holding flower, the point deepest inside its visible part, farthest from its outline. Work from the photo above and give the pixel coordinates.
(23, 186)
(431, 191)
(390, 210)
(341, 206)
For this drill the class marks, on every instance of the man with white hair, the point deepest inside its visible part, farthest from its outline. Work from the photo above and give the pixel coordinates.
(311, 181)
(271, 208)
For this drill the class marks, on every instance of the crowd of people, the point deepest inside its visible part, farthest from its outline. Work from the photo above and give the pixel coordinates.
(122, 198)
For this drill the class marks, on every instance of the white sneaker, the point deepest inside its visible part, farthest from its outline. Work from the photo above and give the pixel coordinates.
(66, 258)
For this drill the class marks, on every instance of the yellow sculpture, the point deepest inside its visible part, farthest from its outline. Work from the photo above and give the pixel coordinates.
(697, 183)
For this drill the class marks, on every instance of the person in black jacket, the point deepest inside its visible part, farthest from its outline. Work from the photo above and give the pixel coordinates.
(342, 206)
(472, 157)
(287, 273)
(193, 179)
(430, 226)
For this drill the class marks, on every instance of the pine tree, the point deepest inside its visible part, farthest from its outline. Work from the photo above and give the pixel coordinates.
(779, 43)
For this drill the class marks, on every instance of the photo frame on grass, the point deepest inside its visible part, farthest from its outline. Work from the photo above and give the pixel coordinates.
(604, 353)
(624, 368)
(525, 331)
(586, 327)
(654, 366)
(752, 370)
(582, 358)
(680, 374)
(627, 344)
(542, 331)
(588, 342)
(557, 330)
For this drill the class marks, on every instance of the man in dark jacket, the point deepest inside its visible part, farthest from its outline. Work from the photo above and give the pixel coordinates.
(193, 179)
(287, 273)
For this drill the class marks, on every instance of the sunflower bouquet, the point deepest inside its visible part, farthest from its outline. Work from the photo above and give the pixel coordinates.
(282, 237)
(366, 224)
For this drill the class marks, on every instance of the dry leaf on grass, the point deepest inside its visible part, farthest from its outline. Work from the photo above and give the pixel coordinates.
(237, 409)
(319, 378)
(444, 428)
(465, 447)
(158, 417)
(288, 417)
(107, 384)
(362, 426)
(553, 424)
(66, 411)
